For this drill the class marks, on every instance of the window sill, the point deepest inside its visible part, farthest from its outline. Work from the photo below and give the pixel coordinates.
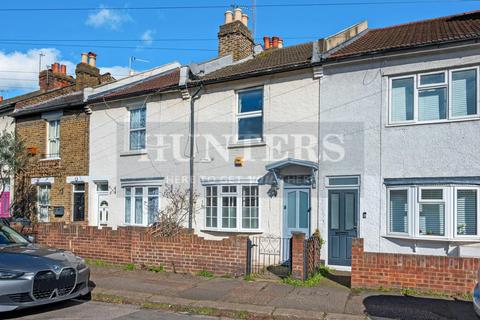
(232, 231)
(246, 144)
(403, 124)
(133, 153)
(433, 238)
(50, 159)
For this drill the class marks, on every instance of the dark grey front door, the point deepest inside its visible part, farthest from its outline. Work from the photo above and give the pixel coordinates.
(342, 217)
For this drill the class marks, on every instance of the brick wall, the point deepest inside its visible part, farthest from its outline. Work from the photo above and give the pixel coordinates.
(186, 253)
(236, 39)
(74, 126)
(450, 275)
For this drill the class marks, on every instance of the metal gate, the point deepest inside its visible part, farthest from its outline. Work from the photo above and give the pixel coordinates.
(271, 254)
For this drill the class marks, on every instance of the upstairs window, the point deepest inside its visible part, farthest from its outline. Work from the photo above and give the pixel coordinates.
(250, 115)
(53, 145)
(434, 97)
(138, 126)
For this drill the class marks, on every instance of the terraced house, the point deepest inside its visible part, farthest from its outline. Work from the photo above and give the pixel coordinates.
(54, 126)
(366, 133)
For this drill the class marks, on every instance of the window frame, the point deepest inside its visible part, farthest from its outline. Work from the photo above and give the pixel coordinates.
(48, 187)
(450, 96)
(455, 213)
(417, 88)
(48, 154)
(409, 212)
(450, 210)
(251, 114)
(130, 130)
(145, 204)
(239, 199)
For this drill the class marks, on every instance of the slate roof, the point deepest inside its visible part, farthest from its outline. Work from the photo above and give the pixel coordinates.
(152, 84)
(71, 99)
(459, 27)
(268, 60)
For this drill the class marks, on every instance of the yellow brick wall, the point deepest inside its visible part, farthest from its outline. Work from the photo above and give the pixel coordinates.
(74, 126)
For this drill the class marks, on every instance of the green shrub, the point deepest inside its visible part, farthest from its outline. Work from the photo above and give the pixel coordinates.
(129, 267)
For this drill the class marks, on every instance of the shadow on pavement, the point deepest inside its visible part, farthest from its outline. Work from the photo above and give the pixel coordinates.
(342, 278)
(413, 308)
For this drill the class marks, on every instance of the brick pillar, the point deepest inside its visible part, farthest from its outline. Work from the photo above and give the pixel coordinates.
(298, 259)
(357, 262)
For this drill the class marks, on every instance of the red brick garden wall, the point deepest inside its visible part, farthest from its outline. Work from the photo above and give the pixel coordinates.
(186, 253)
(450, 275)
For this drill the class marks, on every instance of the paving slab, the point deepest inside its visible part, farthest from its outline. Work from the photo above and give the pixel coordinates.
(260, 310)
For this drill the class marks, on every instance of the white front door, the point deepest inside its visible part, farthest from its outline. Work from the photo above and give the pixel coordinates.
(296, 211)
(102, 204)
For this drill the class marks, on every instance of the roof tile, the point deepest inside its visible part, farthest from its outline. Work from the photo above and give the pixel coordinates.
(463, 26)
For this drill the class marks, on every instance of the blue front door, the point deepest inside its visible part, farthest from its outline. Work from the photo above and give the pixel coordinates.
(343, 218)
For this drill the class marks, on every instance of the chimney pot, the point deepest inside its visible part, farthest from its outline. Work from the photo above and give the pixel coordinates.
(245, 19)
(238, 14)
(275, 42)
(56, 67)
(280, 43)
(85, 57)
(266, 43)
(228, 17)
(63, 69)
(92, 59)
(1, 98)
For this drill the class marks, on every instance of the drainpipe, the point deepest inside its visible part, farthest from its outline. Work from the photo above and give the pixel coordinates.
(192, 149)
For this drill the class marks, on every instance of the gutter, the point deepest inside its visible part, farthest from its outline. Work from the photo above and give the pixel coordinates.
(21, 112)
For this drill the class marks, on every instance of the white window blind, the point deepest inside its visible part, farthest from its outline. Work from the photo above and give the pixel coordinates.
(464, 93)
(399, 211)
(137, 128)
(466, 212)
(432, 219)
(432, 104)
(402, 99)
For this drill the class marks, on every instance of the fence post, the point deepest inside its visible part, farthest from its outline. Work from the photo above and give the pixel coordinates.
(298, 255)
(248, 271)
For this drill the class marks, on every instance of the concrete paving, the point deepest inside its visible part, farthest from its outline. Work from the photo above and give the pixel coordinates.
(79, 310)
(328, 300)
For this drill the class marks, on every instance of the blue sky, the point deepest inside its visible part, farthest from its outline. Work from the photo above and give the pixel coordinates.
(63, 35)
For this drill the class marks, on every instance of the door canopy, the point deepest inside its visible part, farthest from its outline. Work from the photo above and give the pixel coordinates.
(287, 167)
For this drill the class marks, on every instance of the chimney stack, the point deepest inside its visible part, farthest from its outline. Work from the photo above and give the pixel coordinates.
(275, 42)
(1, 99)
(54, 78)
(234, 37)
(86, 72)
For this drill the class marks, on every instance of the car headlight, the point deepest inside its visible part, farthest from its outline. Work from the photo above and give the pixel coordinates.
(81, 264)
(9, 275)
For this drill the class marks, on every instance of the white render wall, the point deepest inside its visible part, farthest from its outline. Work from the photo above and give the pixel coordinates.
(358, 93)
(290, 105)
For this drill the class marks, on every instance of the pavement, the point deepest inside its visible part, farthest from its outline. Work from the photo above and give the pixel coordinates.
(147, 295)
(273, 299)
(81, 310)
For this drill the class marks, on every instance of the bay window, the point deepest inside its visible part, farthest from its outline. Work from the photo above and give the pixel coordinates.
(232, 207)
(444, 212)
(432, 97)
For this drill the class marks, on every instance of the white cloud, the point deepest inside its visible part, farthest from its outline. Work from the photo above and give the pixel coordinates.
(117, 72)
(107, 18)
(20, 69)
(147, 37)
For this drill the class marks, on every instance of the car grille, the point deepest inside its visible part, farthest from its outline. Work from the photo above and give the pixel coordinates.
(66, 281)
(79, 287)
(45, 283)
(20, 297)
